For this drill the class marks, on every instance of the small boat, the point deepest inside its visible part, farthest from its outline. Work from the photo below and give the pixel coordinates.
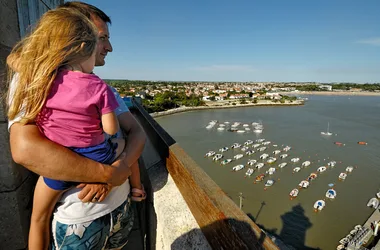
(342, 176)
(271, 160)
(224, 149)
(340, 247)
(349, 169)
(264, 156)
(328, 132)
(306, 163)
(304, 184)
(256, 145)
(362, 143)
(249, 172)
(295, 160)
(331, 194)
(220, 129)
(287, 148)
(275, 145)
(344, 241)
(294, 193)
(255, 123)
(248, 142)
(282, 165)
(260, 177)
(227, 122)
(240, 131)
(319, 205)
(339, 143)
(247, 129)
(312, 176)
(331, 164)
(260, 140)
(238, 167)
(283, 156)
(261, 149)
(238, 156)
(226, 161)
(271, 171)
(269, 183)
(257, 131)
(321, 169)
(222, 125)
(236, 145)
(266, 143)
(276, 152)
(378, 195)
(259, 165)
(209, 154)
(217, 157)
(249, 152)
(374, 202)
(245, 125)
(244, 148)
(296, 169)
(251, 162)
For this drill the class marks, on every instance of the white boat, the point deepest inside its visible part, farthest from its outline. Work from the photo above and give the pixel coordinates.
(275, 145)
(260, 140)
(236, 124)
(319, 205)
(344, 241)
(276, 152)
(227, 122)
(251, 162)
(226, 161)
(349, 169)
(248, 142)
(374, 202)
(238, 156)
(306, 163)
(264, 156)
(245, 125)
(282, 165)
(236, 145)
(238, 167)
(261, 149)
(249, 172)
(256, 145)
(331, 164)
(209, 154)
(321, 169)
(287, 148)
(259, 165)
(224, 149)
(378, 195)
(342, 176)
(331, 194)
(296, 169)
(304, 184)
(244, 148)
(294, 193)
(328, 132)
(240, 131)
(269, 183)
(257, 131)
(255, 124)
(312, 176)
(222, 125)
(271, 171)
(266, 143)
(247, 129)
(249, 152)
(271, 160)
(220, 129)
(283, 156)
(295, 160)
(217, 157)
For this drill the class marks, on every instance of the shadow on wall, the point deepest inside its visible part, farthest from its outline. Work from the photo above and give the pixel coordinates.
(218, 239)
(295, 224)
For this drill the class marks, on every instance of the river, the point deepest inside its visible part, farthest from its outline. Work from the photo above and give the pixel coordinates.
(351, 119)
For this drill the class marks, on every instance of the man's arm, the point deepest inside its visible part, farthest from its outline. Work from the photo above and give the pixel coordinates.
(44, 157)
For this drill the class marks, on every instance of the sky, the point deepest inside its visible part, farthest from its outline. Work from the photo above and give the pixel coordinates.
(243, 40)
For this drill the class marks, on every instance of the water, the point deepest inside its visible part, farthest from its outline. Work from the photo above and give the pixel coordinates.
(351, 119)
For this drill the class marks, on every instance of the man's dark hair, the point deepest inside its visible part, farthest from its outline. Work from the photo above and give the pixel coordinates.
(88, 10)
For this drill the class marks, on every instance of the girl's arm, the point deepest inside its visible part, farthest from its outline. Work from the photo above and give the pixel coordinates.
(110, 123)
(44, 201)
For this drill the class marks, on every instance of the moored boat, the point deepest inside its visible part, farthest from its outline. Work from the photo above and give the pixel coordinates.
(306, 163)
(287, 148)
(271, 171)
(349, 169)
(266, 143)
(283, 156)
(342, 176)
(248, 142)
(304, 184)
(209, 154)
(238, 156)
(226, 161)
(256, 145)
(264, 156)
(319, 205)
(249, 172)
(296, 169)
(224, 149)
(261, 149)
(331, 164)
(374, 202)
(259, 165)
(282, 165)
(260, 177)
(276, 152)
(238, 167)
(269, 183)
(362, 143)
(331, 194)
(251, 162)
(249, 152)
(271, 160)
(295, 160)
(294, 193)
(245, 148)
(217, 157)
(321, 169)
(236, 145)
(312, 176)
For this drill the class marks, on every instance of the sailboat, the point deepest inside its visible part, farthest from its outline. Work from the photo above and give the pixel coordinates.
(328, 132)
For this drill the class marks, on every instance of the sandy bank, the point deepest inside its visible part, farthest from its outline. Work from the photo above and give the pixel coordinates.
(225, 105)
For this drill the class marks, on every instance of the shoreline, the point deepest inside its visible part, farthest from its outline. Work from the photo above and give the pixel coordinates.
(336, 93)
(222, 105)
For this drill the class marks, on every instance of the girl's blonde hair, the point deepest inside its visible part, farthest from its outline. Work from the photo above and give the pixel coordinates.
(62, 37)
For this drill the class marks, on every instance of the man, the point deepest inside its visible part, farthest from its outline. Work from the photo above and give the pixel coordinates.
(44, 157)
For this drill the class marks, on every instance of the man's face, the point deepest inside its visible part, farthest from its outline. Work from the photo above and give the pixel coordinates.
(104, 45)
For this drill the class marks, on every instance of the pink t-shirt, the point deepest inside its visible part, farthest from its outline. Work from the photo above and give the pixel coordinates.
(72, 113)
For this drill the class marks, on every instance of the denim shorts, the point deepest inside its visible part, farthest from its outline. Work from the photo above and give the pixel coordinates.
(107, 232)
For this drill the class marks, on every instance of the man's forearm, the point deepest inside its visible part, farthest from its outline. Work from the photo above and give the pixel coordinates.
(44, 157)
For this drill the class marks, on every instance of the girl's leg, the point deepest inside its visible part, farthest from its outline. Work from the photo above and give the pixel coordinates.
(44, 201)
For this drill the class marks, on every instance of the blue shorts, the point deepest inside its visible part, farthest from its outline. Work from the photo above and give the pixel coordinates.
(107, 232)
(104, 152)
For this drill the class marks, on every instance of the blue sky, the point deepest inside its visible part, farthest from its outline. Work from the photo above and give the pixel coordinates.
(252, 40)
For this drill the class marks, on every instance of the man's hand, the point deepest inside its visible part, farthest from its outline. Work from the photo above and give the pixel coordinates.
(92, 192)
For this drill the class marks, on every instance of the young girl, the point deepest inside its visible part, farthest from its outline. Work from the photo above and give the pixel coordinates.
(53, 87)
